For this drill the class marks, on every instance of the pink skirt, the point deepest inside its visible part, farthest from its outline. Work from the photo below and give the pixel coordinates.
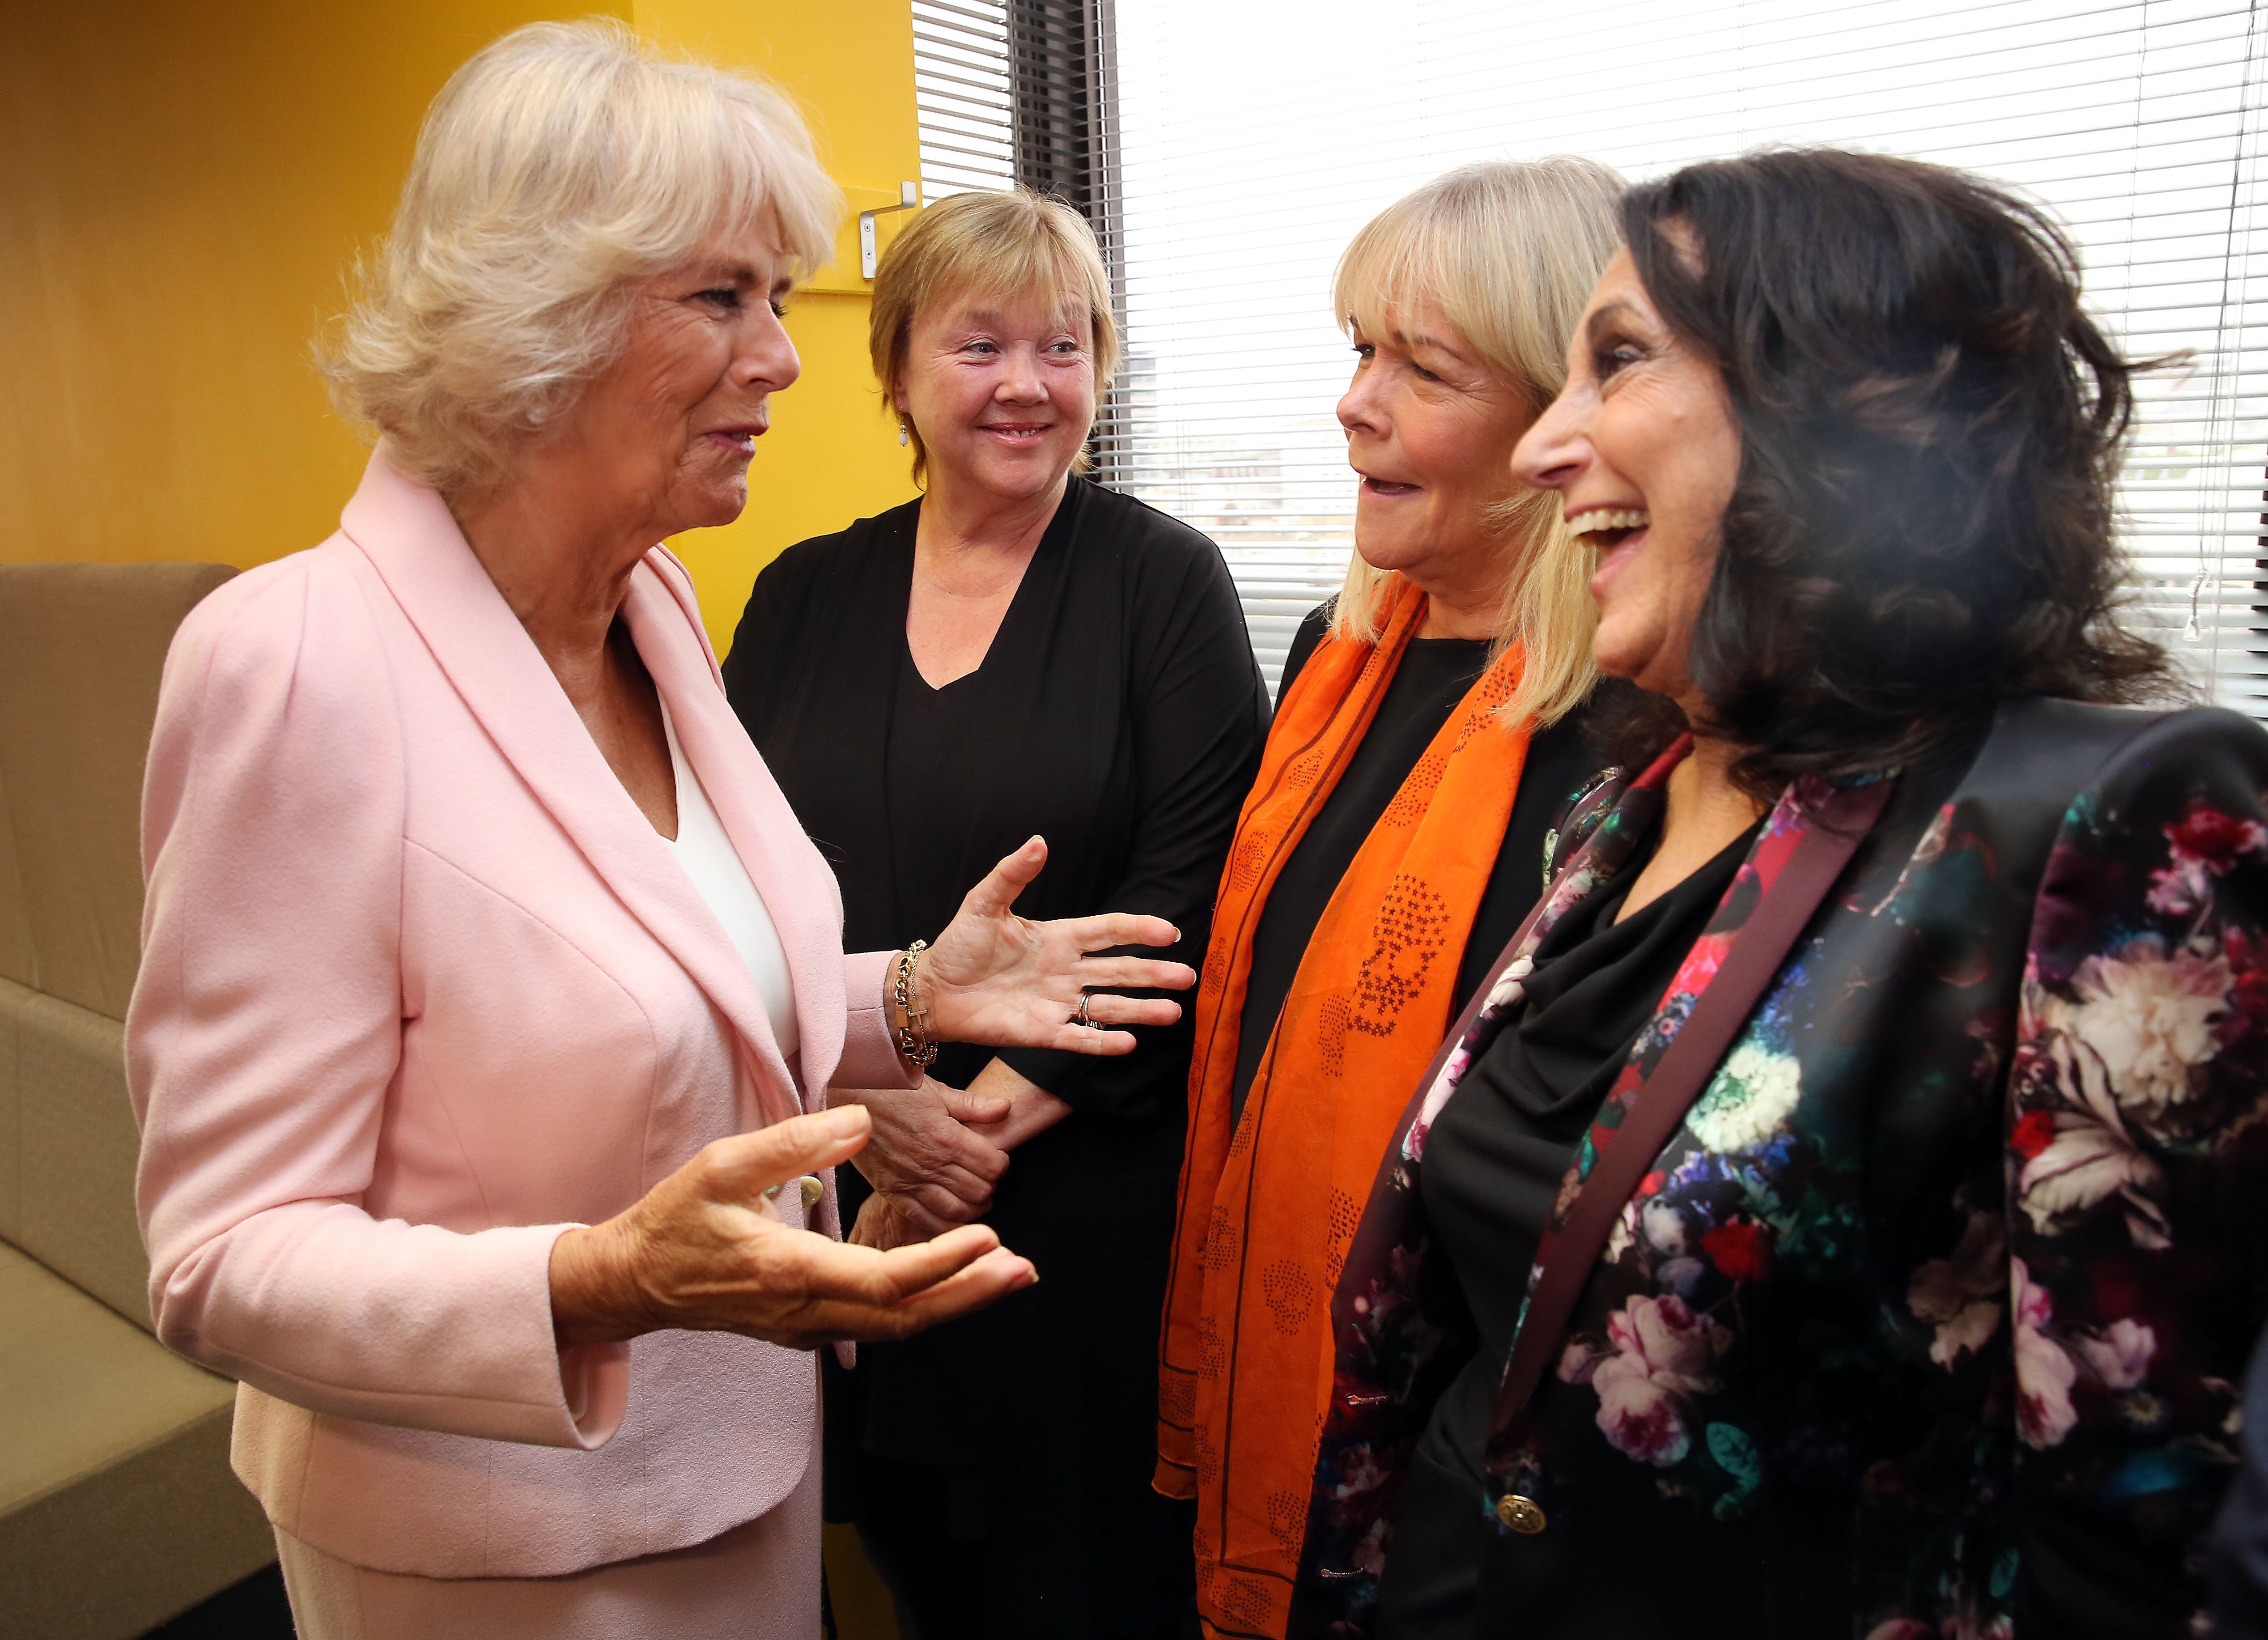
(757, 1582)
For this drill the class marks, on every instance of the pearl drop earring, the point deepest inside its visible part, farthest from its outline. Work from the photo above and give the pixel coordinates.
(905, 432)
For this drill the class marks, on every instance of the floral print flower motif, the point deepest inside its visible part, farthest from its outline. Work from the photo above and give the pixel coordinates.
(1742, 1249)
(2219, 840)
(1702, 962)
(1736, 1455)
(1665, 1228)
(1504, 995)
(1926, 853)
(2149, 1014)
(2045, 1370)
(1362, 1477)
(2117, 1359)
(1680, 1276)
(2248, 1001)
(2125, 1023)
(2081, 1152)
(1623, 1236)
(1661, 1354)
(2205, 844)
(2034, 1132)
(1960, 1296)
(2121, 1356)
(1752, 1094)
(1511, 985)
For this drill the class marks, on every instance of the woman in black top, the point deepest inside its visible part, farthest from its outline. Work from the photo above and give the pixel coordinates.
(1434, 675)
(1019, 652)
(1426, 729)
(1494, 1160)
(1880, 1098)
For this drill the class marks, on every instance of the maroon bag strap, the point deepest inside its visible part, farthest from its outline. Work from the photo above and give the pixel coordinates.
(1839, 827)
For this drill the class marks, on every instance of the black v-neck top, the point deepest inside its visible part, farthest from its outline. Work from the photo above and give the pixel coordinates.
(929, 734)
(1433, 676)
(1119, 713)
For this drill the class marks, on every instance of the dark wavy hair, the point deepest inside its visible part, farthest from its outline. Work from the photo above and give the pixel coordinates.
(1930, 431)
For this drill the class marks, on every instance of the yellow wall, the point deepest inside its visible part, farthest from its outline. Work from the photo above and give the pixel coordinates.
(181, 189)
(831, 455)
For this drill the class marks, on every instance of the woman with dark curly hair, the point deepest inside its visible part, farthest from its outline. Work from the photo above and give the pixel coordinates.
(1840, 1216)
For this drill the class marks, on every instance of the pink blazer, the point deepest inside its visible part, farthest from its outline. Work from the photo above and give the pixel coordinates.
(420, 988)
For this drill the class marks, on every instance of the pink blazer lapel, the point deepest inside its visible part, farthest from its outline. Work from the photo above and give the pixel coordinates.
(407, 533)
(791, 876)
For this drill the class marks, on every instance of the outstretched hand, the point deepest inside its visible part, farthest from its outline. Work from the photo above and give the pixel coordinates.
(996, 978)
(705, 1249)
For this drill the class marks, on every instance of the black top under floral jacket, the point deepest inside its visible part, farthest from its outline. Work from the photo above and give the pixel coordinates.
(1931, 1319)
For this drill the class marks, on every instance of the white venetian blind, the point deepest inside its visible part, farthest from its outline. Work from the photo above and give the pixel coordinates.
(1256, 136)
(961, 96)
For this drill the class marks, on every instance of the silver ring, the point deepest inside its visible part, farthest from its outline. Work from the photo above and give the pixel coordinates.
(1082, 1016)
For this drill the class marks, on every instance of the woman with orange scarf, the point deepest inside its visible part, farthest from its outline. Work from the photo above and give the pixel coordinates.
(1422, 744)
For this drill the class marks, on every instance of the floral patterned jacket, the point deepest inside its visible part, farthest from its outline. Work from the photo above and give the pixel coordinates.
(1930, 1320)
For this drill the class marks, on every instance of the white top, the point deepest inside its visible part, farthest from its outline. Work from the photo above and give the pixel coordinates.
(709, 859)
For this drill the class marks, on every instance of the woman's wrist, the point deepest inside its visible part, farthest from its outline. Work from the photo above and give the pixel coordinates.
(905, 995)
(1032, 1109)
(595, 1295)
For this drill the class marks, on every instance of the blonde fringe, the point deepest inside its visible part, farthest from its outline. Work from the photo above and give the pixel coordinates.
(1507, 253)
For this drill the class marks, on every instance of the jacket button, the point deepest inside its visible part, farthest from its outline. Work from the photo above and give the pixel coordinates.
(1523, 1515)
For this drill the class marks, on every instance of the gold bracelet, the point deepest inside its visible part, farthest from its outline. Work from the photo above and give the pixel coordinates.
(913, 1039)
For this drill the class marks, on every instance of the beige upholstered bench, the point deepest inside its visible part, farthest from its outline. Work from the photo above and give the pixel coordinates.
(117, 1509)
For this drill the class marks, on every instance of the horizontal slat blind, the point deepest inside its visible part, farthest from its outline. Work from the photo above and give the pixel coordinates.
(961, 98)
(1257, 137)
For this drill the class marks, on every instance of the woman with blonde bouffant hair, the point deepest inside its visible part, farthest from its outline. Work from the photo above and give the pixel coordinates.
(489, 989)
(1019, 650)
(1427, 731)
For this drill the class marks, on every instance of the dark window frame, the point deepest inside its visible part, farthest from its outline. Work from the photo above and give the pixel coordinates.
(1063, 96)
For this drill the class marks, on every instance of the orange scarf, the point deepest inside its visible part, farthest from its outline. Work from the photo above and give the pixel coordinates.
(1266, 1214)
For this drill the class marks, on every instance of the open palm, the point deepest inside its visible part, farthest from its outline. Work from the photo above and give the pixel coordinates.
(995, 978)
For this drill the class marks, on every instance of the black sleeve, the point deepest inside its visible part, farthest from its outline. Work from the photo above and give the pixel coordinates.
(763, 628)
(2134, 1221)
(1201, 713)
(1311, 631)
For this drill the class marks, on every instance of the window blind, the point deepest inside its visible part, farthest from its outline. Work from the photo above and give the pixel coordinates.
(1255, 138)
(962, 106)
(1011, 92)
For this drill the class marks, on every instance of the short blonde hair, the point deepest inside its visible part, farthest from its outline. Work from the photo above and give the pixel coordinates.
(1011, 243)
(1506, 253)
(560, 165)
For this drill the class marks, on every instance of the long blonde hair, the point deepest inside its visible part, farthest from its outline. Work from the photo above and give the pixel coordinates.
(1506, 253)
